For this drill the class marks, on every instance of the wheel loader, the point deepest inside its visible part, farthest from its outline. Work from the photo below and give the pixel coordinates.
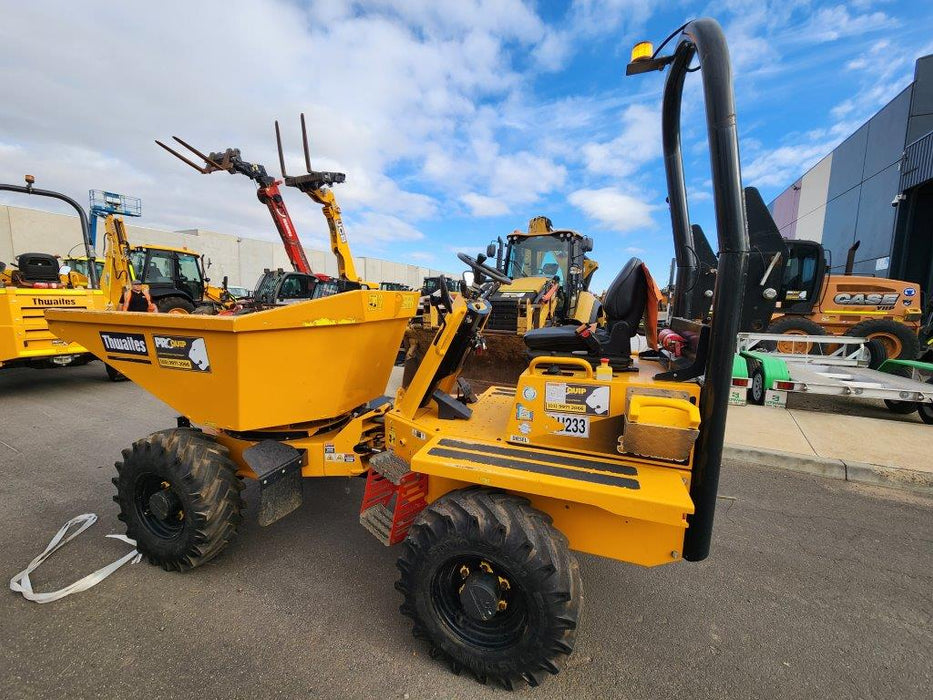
(550, 275)
(812, 301)
(595, 450)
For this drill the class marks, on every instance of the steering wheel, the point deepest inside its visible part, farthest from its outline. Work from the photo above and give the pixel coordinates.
(481, 269)
(445, 294)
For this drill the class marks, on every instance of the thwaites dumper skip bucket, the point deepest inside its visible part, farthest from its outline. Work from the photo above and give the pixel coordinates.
(300, 363)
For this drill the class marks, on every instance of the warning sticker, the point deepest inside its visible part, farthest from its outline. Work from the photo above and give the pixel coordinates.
(576, 398)
(374, 302)
(182, 352)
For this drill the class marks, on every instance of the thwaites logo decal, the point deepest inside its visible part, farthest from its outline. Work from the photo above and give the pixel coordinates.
(867, 299)
(124, 343)
(182, 352)
(576, 398)
(44, 301)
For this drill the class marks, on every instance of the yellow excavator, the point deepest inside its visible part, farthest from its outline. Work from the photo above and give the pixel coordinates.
(550, 273)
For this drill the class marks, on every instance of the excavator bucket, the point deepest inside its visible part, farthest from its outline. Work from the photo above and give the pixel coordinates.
(311, 361)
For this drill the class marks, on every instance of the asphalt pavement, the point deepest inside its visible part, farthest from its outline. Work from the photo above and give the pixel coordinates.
(814, 588)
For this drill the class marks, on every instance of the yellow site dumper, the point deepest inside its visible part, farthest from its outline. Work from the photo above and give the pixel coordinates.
(33, 285)
(595, 450)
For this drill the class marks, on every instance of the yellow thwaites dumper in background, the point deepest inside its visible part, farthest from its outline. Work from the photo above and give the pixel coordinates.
(35, 285)
(593, 451)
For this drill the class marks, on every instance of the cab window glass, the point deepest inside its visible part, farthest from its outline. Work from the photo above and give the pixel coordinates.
(188, 268)
(159, 267)
(295, 287)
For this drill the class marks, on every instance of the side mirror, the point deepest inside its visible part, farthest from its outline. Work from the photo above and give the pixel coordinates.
(209, 263)
(225, 283)
(491, 249)
(587, 244)
(63, 270)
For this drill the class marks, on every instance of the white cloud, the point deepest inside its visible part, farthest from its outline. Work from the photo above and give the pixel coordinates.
(383, 228)
(639, 143)
(613, 209)
(385, 87)
(480, 205)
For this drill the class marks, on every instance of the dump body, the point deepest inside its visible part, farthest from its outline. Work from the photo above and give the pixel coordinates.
(24, 334)
(305, 362)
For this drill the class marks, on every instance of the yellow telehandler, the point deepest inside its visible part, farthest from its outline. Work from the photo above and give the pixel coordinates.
(594, 450)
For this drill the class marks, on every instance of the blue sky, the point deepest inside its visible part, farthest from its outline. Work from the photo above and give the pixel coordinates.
(454, 121)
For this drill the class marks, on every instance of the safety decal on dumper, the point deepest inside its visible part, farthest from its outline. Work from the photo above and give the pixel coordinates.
(576, 398)
(182, 352)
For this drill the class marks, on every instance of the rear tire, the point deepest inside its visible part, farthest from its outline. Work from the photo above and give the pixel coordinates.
(899, 341)
(926, 409)
(179, 496)
(877, 353)
(756, 385)
(901, 408)
(174, 305)
(518, 617)
(205, 310)
(795, 325)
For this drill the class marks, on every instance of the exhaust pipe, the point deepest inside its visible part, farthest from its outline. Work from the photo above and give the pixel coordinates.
(850, 258)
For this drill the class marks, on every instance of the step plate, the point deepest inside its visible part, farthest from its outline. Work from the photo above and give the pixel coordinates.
(644, 491)
(554, 464)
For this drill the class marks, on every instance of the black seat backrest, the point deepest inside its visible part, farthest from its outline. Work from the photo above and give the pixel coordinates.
(765, 242)
(627, 296)
(38, 267)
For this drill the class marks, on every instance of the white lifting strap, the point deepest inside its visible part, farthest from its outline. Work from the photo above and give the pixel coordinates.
(21, 583)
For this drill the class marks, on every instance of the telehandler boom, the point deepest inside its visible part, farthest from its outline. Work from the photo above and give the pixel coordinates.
(595, 450)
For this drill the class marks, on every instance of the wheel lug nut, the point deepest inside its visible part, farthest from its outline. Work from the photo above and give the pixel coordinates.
(464, 571)
(502, 605)
(485, 567)
(504, 584)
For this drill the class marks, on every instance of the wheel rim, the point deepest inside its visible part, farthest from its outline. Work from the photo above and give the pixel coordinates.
(451, 585)
(892, 344)
(758, 385)
(158, 506)
(795, 348)
(178, 310)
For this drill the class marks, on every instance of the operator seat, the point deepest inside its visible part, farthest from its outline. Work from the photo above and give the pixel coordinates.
(38, 267)
(624, 305)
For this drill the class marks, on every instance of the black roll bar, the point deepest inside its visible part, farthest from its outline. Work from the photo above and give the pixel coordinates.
(704, 39)
(82, 216)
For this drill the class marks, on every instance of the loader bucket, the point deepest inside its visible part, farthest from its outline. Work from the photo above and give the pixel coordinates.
(502, 362)
(310, 361)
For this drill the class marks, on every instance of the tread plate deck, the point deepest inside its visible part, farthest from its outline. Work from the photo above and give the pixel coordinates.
(646, 492)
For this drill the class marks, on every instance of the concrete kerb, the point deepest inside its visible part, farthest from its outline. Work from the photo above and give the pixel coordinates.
(848, 470)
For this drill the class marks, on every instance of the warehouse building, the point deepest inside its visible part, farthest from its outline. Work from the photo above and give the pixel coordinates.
(876, 187)
(241, 260)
